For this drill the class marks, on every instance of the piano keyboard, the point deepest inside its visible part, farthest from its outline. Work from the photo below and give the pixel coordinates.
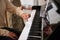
(32, 30)
(35, 31)
(26, 30)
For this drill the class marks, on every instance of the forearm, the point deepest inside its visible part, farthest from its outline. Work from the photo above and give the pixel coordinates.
(13, 9)
(10, 7)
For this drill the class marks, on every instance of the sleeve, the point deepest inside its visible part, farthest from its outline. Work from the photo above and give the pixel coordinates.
(10, 7)
(13, 9)
(3, 32)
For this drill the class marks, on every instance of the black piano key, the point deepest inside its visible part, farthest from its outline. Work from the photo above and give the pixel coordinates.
(36, 7)
(32, 38)
(36, 25)
(36, 31)
(35, 34)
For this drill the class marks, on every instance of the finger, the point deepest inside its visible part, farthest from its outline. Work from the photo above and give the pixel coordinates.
(13, 35)
(28, 15)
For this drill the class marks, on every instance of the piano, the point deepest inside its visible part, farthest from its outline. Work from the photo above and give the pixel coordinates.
(32, 29)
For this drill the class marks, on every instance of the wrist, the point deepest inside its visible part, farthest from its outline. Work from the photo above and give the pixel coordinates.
(19, 11)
